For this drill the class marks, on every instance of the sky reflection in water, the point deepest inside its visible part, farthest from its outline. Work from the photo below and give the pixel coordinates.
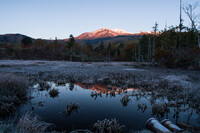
(95, 108)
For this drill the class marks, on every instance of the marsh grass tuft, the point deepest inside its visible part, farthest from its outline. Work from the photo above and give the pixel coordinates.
(13, 90)
(160, 109)
(142, 131)
(95, 95)
(108, 126)
(71, 107)
(13, 85)
(33, 124)
(53, 93)
(28, 123)
(112, 93)
(44, 86)
(125, 100)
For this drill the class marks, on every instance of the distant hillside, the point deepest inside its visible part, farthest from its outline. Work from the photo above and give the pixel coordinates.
(12, 38)
(105, 34)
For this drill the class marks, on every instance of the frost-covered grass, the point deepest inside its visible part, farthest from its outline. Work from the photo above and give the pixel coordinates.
(32, 124)
(160, 109)
(28, 123)
(108, 126)
(13, 85)
(142, 131)
(13, 89)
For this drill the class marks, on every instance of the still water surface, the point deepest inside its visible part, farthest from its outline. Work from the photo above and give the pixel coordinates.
(51, 109)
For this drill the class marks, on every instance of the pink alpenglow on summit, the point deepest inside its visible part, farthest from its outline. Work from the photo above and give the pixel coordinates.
(104, 32)
(107, 32)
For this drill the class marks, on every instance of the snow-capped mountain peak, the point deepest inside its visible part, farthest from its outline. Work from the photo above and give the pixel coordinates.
(102, 33)
(120, 30)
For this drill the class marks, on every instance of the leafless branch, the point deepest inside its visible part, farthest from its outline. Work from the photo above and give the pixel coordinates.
(189, 10)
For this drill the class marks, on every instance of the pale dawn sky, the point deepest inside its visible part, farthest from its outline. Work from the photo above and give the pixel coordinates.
(60, 18)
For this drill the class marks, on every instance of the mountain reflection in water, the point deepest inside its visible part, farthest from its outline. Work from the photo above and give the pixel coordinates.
(105, 88)
(131, 107)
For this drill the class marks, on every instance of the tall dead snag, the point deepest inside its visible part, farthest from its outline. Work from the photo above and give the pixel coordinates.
(155, 29)
(180, 30)
(149, 50)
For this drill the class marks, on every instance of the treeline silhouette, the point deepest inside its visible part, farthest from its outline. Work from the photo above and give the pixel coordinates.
(164, 48)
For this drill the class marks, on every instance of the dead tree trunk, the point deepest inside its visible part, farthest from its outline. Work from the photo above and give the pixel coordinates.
(153, 50)
(149, 50)
(71, 54)
(180, 29)
(135, 54)
(139, 51)
(155, 29)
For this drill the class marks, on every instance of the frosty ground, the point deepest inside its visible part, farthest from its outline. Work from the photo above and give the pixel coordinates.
(122, 74)
(176, 85)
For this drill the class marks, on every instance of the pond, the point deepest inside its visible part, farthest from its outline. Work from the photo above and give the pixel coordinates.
(97, 102)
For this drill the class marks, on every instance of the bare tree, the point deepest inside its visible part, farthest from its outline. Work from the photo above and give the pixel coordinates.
(155, 29)
(165, 35)
(149, 50)
(109, 48)
(135, 53)
(82, 58)
(139, 51)
(180, 29)
(189, 10)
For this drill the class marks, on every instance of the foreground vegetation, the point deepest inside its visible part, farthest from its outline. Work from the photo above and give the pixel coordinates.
(13, 91)
(28, 123)
(177, 86)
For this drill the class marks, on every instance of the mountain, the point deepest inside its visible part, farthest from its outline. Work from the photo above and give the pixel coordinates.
(103, 33)
(12, 38)
(108, 35)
